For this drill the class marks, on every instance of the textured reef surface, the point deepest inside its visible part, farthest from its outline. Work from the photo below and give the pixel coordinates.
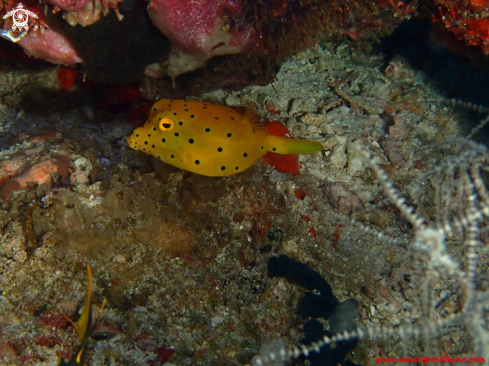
(121, 41)
(173, 37)
(183, 259)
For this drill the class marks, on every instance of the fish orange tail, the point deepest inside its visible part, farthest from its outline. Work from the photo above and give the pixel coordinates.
(283, 145)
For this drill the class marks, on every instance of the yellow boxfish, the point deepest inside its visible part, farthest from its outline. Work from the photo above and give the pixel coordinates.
(210, 139)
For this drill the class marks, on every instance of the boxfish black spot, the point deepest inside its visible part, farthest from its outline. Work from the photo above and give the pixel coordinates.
(137, 135)
(172, 156)
(186, 110)
(204, 107)
(159, 118)
(192, 116)
(232, 118)
(169, 105)
(191, 141)
(262, 147)
(245, 155)
(274, 149)
(254, 131)
(216, 118)
(149, 135)
(136, 143)
(219, 149)
(154, 129)
(180, 123)
(159, 157)
(174, 113)
(207, 130)
(184, 105)
(144, 149)
(153, 146)
(197, 162)
(145, 142)
(154, 109)
(237, 168)
(176, 134)
(229, 134)
(163, 140)
(223, 168)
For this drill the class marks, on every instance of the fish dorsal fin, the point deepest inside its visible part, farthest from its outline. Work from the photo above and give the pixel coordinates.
(252, 117)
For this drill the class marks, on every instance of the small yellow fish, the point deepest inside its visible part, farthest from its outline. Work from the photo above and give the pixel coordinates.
(210, 139)
(83, 326)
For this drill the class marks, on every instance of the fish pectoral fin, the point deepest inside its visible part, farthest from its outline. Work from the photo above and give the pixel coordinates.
(253, 118)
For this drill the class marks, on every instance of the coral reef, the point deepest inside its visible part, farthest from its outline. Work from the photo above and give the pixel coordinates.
(460, 219)
(466, 20)
(120, 41)
(50, 46)
(182, 258)
(36, 38)
(319, 302)
(267, 33)
(199, 30)
(113, 50)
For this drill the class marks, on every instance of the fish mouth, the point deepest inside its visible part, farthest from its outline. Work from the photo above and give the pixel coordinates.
(132, 139)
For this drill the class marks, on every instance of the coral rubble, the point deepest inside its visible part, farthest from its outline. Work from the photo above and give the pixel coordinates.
(182, 258)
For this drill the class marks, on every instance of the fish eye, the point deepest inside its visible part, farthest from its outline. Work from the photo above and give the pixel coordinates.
(166, 124)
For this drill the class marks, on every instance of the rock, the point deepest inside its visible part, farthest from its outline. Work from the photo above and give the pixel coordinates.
(314, 119)
(342, 198)
(17, 173)
(392, 151)
(12, 244)
(83, 169)
(397, 131)
(381, 218)
(355, 163)
(399, 69)
(327, 129)
(338, 156)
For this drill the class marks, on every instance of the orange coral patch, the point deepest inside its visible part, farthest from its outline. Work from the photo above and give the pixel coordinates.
(15, 176)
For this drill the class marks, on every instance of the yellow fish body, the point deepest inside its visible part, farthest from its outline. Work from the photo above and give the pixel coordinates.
(209, 139)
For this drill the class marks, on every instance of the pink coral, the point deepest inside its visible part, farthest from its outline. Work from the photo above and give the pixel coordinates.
(69, 5)
(199, 30)
(50, 46)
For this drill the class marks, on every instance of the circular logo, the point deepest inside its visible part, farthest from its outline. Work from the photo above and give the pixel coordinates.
(20, 17)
